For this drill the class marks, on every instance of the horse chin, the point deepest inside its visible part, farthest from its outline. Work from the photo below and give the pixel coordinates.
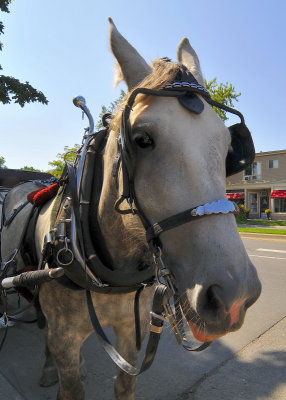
(208, 332)
(202, 336)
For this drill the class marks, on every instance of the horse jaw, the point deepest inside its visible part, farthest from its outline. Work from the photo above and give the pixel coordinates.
(187, 56)
(133, 66)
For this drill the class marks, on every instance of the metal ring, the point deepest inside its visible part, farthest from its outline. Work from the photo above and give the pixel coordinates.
(66, 251)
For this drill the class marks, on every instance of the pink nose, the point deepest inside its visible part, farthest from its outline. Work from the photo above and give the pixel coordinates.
(235, 311)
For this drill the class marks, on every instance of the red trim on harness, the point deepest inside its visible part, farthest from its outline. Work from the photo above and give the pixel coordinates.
(39, 197)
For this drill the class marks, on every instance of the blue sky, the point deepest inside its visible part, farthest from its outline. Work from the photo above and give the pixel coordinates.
(62, 49)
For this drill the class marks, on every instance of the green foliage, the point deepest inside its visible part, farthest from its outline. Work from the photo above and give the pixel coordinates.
(4, 5)
(58, 165)
(243, 214)
(241, 219)
(22, 92)
(2, 162)
(26, 168)
(110, 109)
(223, 93)
(11, 88)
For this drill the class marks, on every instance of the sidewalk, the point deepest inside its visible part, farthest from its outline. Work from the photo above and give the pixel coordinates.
(257, 372)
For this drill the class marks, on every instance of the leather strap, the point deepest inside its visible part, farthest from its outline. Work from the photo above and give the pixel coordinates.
(161, 297)
(137, 317)
(14, 213)
(166, 224)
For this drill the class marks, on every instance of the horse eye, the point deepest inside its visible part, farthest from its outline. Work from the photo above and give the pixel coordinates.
(143, 140)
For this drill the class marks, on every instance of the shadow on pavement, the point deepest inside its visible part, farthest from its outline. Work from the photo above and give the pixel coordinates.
(215, 374)
(263, 377)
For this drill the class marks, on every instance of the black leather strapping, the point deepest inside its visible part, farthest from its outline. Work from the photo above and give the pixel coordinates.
(241, 155)
(154, 231)
(161, 296)
(118, 281)
(137, 317)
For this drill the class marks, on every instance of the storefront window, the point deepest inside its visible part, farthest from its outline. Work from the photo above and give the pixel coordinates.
(280, 205)
(253, 203)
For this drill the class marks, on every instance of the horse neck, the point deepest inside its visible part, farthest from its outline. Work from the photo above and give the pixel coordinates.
(126, 247)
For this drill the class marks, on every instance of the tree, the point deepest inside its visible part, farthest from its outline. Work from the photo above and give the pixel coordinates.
(26, 168)
(58, 165)
(11, 88)
(223, 93)
(2, 162)
(110, 109)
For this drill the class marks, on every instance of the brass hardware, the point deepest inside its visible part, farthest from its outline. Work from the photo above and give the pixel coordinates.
(156, 329)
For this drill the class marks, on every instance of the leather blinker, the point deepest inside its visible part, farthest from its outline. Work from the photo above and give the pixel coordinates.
(192, 103)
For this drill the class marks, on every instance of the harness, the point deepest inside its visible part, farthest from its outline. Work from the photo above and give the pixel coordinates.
(69, 240)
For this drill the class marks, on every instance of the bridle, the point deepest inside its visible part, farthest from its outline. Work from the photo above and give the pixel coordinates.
(184, 91)
(243, 153)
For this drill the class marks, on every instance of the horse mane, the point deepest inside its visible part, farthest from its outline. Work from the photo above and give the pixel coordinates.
(163, 72)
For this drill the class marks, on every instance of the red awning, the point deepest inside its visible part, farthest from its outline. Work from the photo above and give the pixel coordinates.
(278, 194)
(235, 196)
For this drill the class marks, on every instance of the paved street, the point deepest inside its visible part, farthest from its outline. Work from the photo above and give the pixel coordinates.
(177, 374)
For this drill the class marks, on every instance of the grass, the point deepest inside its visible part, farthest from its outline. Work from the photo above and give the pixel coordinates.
(264, 222)
(261, 230)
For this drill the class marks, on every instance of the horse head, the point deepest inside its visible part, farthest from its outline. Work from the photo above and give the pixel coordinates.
(178, 162)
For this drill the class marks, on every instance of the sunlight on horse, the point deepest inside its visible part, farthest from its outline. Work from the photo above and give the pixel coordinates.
(178, 162)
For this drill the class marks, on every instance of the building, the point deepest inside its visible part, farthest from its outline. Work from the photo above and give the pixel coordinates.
(262, 185)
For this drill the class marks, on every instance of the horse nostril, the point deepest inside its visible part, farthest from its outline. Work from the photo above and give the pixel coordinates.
(212, 303)
(214, 300)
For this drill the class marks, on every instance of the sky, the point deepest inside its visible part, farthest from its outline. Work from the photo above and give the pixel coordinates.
(62, 48)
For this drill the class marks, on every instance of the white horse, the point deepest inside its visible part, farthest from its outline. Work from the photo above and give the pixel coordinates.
(180, 164)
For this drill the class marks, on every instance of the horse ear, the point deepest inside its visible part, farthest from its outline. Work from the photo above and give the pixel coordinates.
(134, 68)
(188, 57)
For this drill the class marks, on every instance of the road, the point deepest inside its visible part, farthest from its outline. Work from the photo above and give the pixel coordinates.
(175, 374)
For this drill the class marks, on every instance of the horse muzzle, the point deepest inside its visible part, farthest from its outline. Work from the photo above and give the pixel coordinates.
(214, 317)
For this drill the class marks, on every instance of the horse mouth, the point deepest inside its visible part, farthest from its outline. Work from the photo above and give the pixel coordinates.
(221, 325)
(201, 334)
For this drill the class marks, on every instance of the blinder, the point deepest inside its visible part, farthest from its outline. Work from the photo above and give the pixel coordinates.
(192, 103)
(241, 153)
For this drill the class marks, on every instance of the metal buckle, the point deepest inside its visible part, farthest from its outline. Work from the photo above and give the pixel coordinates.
(158, 316)
(157, 228)
(156, 329)
(162, 271)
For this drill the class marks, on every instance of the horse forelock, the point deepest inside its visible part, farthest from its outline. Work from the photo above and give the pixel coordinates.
(162, 73)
